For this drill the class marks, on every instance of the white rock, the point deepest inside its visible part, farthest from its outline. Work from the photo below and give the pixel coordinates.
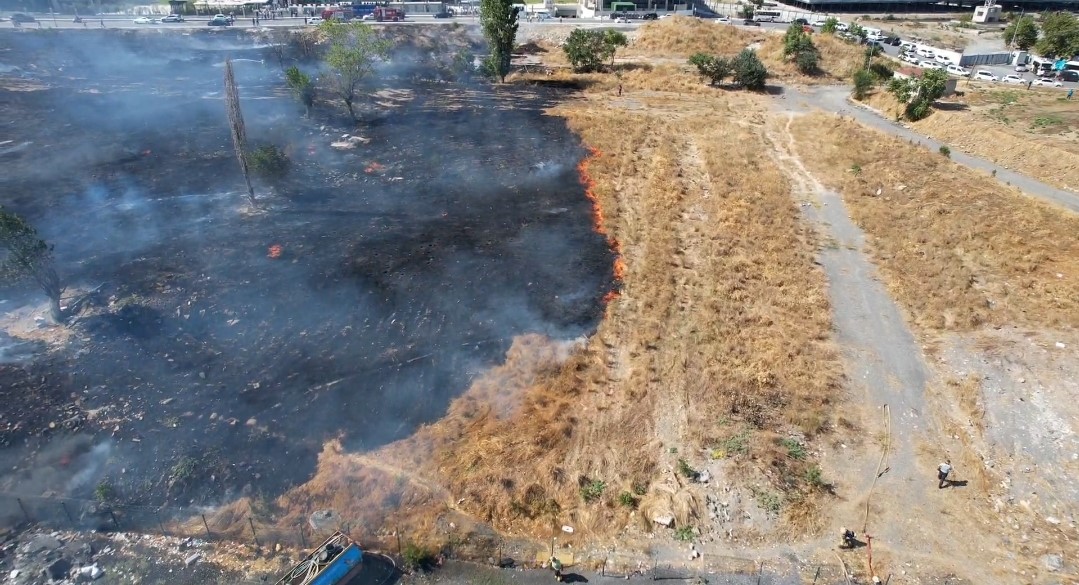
(1053, 520)
(191, 560)
(667, 521)
(1060, 345)
(567, 529)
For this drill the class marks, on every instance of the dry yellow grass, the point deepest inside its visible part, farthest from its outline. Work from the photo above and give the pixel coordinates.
(838, 59)
(682, 36)
(1031, 131)
(722, 324)
(956, 248)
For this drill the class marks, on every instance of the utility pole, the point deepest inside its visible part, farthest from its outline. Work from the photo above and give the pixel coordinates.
(1016, 29)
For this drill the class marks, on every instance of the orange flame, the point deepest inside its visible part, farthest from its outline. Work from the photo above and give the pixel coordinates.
(598, 220)
(275, 251)
(373, 167)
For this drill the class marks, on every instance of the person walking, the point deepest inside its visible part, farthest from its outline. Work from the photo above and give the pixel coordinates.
(556, 566)
(1070, 93)
(942, 473)
(619, 90)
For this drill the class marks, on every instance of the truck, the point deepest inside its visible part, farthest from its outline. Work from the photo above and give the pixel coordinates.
(384, 13)
(335, 562)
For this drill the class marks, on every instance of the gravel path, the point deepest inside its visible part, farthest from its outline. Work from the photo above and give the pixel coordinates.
(834, 99)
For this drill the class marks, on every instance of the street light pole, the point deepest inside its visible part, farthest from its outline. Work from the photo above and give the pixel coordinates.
(1016, 29)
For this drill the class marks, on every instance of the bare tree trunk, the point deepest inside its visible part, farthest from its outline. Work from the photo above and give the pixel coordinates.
(47, 279)
(236, 123)
(351, 111)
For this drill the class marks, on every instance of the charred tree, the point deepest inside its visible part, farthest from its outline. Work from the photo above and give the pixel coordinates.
(354, 49)
(236, 123)
(24, 255)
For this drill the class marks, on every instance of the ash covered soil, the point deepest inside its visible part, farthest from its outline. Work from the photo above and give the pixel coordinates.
(201, 368)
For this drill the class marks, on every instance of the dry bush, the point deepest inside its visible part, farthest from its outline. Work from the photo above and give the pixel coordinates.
(838, 59)
(682, 36)
(956, 248)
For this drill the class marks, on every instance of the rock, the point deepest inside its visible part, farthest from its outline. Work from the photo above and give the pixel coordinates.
(343, 145)
(694, 555)
(1054, 562)
(40, 543)
(191, 560)
(251, 422)
(13, 574)
(1060, 345)
(1053, 520)
(57, 569)
(277, 547)
(567, 529)
(704, 477)
(90, 573)
(665, 520)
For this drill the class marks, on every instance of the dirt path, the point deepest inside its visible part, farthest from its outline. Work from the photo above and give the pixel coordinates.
(834, 99)
(885, 368)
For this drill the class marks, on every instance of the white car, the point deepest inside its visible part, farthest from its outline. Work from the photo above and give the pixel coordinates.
(723, 20)
(819, 22)
(957, 70)
(315, 21)
(930, 65)
(1013, 79)
(984, 75)
(874, 37)
(1021, 68)
(909, 58)
(906, 46)
(145, 20)
(1047, 81)
(842, 27)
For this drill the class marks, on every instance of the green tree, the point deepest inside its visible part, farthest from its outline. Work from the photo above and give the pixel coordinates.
(269, 161)
(301, 87)
(748, 70)
(24, 255)
(857, 30)
(919, 94)
(1021, 33)
(499, 21)
(831, 25)
(588, 49)
(746, 11)
(354, 48)
(1060, 35)
(796, 40)
(808, 62)
(714, 69)
(863, 82)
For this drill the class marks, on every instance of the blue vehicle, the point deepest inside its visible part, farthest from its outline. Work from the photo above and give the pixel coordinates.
(335, 562)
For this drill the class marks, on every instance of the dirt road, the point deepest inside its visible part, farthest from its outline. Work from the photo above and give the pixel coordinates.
(834, 99)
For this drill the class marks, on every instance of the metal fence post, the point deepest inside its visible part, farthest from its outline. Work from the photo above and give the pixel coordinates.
(251, 522)
(114, 520)
(24, 512)
(205, 525)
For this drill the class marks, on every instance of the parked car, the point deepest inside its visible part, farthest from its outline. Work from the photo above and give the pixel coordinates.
(1048, 81)
(893, 41)
(909, 58)
(173, 18)
(943, 59)
(842, 27)
(750, 22)
(1069, 75)
(144, 20)
(801, 21)
(652, 16)
(318, 20)
(723, 20)
(906, 46)
(444, 14)
(1013, 79)
(219, 20)
(819, 22)
(1021, 68)
(984, 75)
(930, 65)
(22, 18)
(957, 70)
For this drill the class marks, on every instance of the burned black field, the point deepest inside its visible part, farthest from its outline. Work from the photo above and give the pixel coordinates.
(202, 367)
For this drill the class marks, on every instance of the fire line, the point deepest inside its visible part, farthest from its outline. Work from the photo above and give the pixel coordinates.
(599, 221)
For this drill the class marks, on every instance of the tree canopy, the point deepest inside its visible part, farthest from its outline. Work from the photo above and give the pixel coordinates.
(354, 50)
(24, 255)
(1022, 33)
(919, 94)
(588, 49)
(1060, 35)
(498, 18)
(748, 71)
(714, 69)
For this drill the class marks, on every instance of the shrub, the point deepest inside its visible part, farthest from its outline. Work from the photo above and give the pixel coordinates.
(592, 490)
(808, 62)
(104, 492)
(416, 557)
(686, 471)
(881, 70)
(714, 69)
(640, 488)
(814, 477)
(684, 533)
(830, 25)
(588, 49)
(627, 500)
(863, 82)
(269, 161)
(748, 70)
(944, 150)
(795, 450)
